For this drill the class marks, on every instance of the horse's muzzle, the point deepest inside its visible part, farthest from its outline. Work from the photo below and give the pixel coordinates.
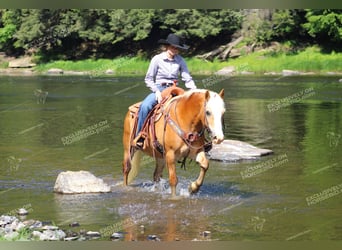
(217, 139)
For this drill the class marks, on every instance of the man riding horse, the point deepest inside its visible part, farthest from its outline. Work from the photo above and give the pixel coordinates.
(175, 130)
(161, 74)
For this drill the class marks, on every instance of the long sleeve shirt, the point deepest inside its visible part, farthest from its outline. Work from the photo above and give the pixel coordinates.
(164, 70)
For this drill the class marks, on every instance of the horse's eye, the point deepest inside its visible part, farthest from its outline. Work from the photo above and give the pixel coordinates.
(207, 113)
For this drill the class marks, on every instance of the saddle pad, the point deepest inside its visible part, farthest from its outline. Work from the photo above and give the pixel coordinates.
(134, 108)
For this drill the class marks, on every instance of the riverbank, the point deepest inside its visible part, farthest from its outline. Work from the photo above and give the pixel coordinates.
(18, 228)
(310, 61)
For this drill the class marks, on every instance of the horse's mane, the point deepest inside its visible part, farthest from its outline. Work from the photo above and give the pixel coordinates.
(188, 93)
(191, 91)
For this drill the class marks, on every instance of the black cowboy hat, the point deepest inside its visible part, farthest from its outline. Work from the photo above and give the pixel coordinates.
(174, 40)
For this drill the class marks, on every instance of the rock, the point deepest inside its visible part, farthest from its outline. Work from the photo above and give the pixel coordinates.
(36, 224)
(22, 211)
(153, 237)
(206, 233)
(226, 71)
(6, 219)
(331, 73)
(36, 234)
(71, 182)
(71, 234)
(49, 227)
(55, 71)
(287, 72)
(233, 150)
(24, 62)
(92, 234)
(272, 73)
(247, 73)
(340, 80)
(71, 238)
(307, 73)
(109, 72)
(74, 73)
(50, 235)
(74, 224)
(16, 225)
(116, 236)
(28, 223)
(11, 236)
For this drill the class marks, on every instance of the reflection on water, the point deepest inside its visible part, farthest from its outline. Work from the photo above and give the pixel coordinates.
(51, 124)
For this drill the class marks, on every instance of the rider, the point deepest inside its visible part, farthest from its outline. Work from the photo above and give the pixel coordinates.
(163, 70)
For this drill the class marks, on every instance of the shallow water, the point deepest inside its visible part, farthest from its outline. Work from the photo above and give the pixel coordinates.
(271, 204)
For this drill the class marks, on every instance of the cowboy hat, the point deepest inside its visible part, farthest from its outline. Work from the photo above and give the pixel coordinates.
(174, 40)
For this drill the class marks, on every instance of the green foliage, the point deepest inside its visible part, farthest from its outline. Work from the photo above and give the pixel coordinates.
(52, 34)
(6, 33)
(9, 23)
(133, 24)
(325, 24)
(98, 32)
(263, 26)
(200, 23)
(309, 60)
(127, 66)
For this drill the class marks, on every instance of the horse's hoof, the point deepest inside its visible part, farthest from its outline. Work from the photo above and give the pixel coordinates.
(193, 188)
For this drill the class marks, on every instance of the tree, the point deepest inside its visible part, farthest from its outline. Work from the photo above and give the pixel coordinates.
(264, 26)
(200, 23)
(83, 33)
(325, 25)
(10, 21)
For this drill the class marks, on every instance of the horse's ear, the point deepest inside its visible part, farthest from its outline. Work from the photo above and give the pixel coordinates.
(207, 95)
(221, 93)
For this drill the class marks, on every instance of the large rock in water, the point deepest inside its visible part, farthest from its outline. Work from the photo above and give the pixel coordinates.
(79, 182)
(233, 150)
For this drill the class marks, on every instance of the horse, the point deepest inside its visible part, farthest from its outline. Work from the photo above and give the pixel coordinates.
(180, 133)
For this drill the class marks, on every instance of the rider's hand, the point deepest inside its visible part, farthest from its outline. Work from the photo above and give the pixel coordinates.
(158, 96)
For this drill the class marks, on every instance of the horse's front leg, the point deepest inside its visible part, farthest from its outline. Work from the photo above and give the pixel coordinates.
(170, 161)
(202, 160)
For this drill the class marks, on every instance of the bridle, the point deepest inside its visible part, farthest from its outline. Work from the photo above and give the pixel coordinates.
(188, 137)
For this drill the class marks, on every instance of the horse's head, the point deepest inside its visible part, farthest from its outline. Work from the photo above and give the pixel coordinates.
(214, 110)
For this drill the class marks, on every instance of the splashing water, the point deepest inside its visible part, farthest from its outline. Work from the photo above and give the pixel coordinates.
(162, 187)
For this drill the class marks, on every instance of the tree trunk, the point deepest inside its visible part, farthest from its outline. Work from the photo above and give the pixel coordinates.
(222, 52)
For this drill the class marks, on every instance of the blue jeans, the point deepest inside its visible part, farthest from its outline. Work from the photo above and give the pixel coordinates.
(146, 106)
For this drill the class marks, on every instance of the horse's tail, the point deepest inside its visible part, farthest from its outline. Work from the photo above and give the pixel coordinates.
(135, 166)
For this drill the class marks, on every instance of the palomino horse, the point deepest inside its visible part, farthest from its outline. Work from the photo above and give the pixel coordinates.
(180, 132)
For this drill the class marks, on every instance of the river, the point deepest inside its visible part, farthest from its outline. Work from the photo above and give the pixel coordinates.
(294, 194)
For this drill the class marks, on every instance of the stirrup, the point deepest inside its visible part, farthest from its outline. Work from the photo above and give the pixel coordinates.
(138, 141)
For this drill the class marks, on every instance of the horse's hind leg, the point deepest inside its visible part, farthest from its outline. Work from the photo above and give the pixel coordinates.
(126, 166)
(204, 164)
(158, 172)
(128, 153)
